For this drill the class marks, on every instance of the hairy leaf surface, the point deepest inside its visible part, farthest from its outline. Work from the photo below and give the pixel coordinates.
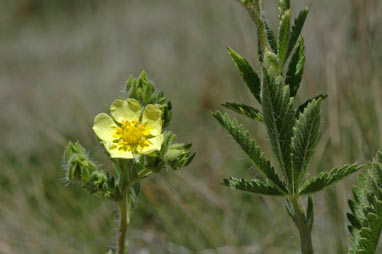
(325, 179)
(249, 75)
(296, 68)
(249, 146)
(246, 110)
(254, 185)
(366, 210)
(304, 140)
(279, 119)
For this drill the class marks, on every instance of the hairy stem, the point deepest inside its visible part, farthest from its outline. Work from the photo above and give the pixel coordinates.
(302, 226)
(124, 207)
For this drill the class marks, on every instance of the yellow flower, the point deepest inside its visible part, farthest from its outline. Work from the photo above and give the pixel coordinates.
(130, 132)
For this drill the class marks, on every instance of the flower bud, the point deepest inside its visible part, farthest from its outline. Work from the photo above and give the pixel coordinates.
(140, 89)
(76, 162)
(179, 155)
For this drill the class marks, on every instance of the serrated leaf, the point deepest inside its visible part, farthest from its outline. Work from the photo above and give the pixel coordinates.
(272, 61)
(246, 110)
(284, 5)
(249, 146)
(296, 68)
(254, 185)
(279, 119)
(284, 29)
(296, 30)
(249, 75)
(366, 210)
(302, 107)
(304, 140)
(270, 37)
(325, 179)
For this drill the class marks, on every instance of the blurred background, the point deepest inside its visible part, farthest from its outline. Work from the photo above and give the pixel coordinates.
(62, 61)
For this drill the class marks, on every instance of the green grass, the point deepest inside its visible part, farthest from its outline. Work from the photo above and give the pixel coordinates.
(62, 62)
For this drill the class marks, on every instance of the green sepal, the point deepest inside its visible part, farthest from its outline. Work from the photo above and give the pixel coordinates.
(76, 163)
(248, 74)
(245, 110)
(143, 90)
(249, 146)
(325, 179)
(296, 68)
(254, 185)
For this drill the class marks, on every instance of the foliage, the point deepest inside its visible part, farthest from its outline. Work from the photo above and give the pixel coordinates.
(366, 209)
(293, 132)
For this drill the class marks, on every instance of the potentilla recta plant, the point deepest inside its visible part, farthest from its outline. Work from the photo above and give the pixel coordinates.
(133, 137)
(293, 131)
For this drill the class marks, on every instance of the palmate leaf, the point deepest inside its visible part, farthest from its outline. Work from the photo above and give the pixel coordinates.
(296, 68)
(279, 118)
(249, 75)
(325, 179)
(246, 110)
(296, 30)
(366, 210)
(304, 140)
(254, 185)
(249, 146)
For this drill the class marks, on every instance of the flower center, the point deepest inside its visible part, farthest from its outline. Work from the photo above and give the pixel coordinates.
(130, 136)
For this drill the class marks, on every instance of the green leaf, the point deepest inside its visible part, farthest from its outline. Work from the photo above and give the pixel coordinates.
(296, 30)
(303, 106)
(284, 29)
(296, 68)
(246, 110)
(272, 61)
(325, 179)
(254, 185)
(366, 210)
(249, 146)
(279, 119)
(270, 37)
(249, 75)
(284, 5)
(304, 140)
(310, 213)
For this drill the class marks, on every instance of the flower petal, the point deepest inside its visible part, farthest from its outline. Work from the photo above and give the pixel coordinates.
(128, 110)
(153, 120)
(104, 127)
(116, 153)
(156, 144)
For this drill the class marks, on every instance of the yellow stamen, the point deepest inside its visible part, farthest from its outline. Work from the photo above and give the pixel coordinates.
(130, 136)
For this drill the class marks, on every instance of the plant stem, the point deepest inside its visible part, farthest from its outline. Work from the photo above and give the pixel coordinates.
(124, 207)
(302, 226)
